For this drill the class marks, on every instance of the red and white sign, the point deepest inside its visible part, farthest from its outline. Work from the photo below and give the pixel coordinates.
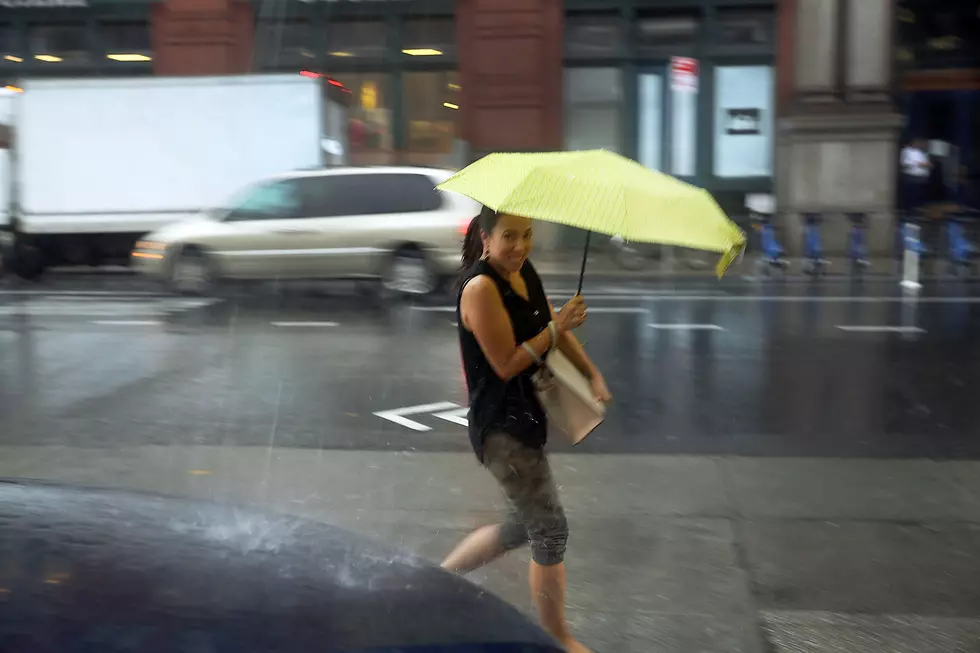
(684, 72)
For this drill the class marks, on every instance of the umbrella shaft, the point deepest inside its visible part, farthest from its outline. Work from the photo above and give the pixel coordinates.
(585, 258)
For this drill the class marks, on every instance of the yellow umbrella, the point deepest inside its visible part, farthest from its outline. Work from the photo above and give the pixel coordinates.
(603, 192)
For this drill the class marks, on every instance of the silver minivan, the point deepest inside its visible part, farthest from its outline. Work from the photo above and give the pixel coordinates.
(343, 223)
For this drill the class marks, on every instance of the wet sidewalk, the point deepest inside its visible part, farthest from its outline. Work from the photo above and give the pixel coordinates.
(667, 553)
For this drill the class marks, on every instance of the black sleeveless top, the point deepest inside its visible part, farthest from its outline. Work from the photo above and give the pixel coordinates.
(496, 405)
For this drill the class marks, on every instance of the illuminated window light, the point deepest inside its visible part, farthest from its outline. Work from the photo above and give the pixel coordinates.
(50, 58)
(129, 57)
(422, 52)
(450, 105)
(11, 57)
(341, 54)
(454, 87)
(310, 74)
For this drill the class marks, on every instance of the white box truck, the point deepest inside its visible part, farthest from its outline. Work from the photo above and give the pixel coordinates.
(93, 164)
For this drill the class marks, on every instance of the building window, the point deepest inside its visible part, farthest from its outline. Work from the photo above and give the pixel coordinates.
(127, 43)
(743, 121)
(10, 51)
(657, 32)
(361, 39)
(55, 44)
(429, 37)
(369, 118)
(593, 118)
(745, 27)
(432, 109)
(590, 36)
(284, 43)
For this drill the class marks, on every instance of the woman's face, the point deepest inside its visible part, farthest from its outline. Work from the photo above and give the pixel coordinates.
(509, 244)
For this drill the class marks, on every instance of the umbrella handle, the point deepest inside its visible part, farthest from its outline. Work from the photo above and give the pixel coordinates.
(585, 258)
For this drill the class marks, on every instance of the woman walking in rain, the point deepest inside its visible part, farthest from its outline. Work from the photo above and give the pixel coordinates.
(503, 313)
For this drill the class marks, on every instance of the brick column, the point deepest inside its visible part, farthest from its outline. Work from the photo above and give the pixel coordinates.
(202, 37)
(510, 65)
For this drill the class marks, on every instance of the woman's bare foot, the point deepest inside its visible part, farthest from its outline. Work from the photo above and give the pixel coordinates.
(572, 646)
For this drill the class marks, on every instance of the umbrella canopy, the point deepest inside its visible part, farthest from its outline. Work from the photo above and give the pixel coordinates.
(602, 192)
(117, 572)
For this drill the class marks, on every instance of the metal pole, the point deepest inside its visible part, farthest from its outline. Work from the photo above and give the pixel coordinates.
(910, 261)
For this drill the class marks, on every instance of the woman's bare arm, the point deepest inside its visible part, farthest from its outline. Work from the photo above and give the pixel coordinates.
(484, 315)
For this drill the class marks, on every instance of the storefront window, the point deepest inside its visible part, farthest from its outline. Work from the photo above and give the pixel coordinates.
(593, 35)
(659, 33)
(369, 119)
(127, 43)
(745, 27)
(429, 37)
(55, 44)
(284, 43)
(651, 115)
(432, 108)
(592, 109)
(743, 121)
(361, 39)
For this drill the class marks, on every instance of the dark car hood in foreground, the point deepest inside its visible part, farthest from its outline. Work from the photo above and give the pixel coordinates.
(96, 570)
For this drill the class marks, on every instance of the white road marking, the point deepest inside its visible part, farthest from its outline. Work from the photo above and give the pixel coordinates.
(879, 329)
(617, 309)
(307, 325)
(435, 309)
(843, 299)
(85, 293)
(457, 416)
(611, 291)
(77, 306)
(128, 322)
(398, 414)
(687, 327)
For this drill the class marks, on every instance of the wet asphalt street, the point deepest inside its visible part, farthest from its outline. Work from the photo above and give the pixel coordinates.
(760, 370)
(787, 466)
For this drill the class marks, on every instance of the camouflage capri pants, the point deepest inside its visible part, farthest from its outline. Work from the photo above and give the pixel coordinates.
(536, 514)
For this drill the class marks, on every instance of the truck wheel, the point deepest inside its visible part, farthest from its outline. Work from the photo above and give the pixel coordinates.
(27, 262)
(192, 272)
(409, 273)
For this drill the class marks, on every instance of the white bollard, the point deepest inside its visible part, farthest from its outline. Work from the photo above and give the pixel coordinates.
(910, 261)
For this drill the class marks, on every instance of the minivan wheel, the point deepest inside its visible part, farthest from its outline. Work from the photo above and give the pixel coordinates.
(409, 273)
(192, 273)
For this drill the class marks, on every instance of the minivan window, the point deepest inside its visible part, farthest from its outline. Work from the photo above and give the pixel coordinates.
(268, 201)
(374, 194)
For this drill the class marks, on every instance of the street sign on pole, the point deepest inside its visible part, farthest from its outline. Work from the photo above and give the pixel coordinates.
(684, 74)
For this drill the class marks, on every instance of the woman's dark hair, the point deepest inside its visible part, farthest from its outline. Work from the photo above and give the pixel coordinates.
(473, 243)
